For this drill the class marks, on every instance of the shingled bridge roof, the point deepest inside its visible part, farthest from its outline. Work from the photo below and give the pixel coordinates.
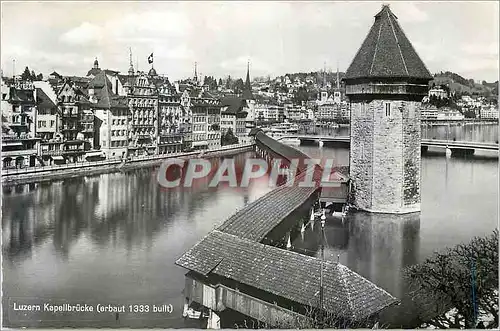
(258, 218)
(387, 52)
(234, 251)
(287, 274)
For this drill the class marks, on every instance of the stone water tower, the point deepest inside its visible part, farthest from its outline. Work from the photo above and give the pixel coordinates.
(385, 84)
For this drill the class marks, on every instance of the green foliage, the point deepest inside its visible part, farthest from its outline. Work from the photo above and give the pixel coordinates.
(444, 282)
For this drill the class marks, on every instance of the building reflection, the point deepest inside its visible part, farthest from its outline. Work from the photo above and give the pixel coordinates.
(117, 209)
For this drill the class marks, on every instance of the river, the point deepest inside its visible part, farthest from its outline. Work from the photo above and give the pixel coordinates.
(113, 238)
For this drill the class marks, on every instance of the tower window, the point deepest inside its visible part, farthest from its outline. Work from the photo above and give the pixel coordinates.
(388, 109)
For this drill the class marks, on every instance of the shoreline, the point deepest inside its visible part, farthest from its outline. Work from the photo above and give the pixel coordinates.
(52, 174)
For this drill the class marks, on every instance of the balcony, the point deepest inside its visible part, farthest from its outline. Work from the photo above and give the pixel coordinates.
(73, 151)
(21, 152)
(55, 152)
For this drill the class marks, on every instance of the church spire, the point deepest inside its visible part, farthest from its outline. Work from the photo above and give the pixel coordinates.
(324, 75)
(338, 77)
(195, 72)
(131, 68)
(247, 88)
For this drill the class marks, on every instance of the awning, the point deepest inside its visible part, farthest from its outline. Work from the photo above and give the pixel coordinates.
(200, 143)
(95, 154)
(57, 158)
(11, 143)
(74, 142)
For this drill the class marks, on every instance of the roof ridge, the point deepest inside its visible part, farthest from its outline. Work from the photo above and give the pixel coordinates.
(412, 47)
(346, 288)
(106, 89)
(397, 42)
(346, 268)
(376, 47)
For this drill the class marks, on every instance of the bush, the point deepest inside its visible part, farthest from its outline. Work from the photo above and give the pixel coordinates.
(459, 287)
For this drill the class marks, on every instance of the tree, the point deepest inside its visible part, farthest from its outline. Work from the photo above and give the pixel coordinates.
(229, 138)
(26, 75)
(459, 286)
(238, 86)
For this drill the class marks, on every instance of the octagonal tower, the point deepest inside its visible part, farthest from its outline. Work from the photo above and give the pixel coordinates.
(385, 84)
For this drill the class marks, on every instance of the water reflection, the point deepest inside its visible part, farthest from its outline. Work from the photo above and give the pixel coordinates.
(123, 209)
(377, 246)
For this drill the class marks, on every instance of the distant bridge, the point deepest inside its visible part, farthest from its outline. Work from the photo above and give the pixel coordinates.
(426, 143)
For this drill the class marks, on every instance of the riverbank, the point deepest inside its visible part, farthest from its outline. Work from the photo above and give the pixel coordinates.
(50, 173)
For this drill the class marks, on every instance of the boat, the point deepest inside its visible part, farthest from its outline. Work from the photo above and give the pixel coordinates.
(291, 141)
(191, 313)
(285, 127)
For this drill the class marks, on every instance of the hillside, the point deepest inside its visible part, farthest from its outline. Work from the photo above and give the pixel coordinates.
(461, 85)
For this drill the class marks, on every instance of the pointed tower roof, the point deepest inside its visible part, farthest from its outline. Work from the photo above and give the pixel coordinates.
(247, 89)
(387, 52)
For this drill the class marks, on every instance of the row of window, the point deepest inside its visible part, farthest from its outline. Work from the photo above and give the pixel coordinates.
(117, 112)
(212, 119)
(199, 136)
(142, 91)
(118, 121)
(115, 143)
(143, 113)
(169, 100)
(143, 122)
(115, 133)
(199, 127)
(169, 108)
(69, 98)
(143, 131)
(43, 124)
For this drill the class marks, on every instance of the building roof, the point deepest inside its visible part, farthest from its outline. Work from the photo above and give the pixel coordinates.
(152, 72)
(287, 274)
(55, 74)
(386, 52)
(93, 72)
(17, 95)
(235, 104)
(43, 101)
(104, 93)
(258, 218)
(123, 79)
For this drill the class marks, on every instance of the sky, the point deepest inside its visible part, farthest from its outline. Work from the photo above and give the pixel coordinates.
(276, 37)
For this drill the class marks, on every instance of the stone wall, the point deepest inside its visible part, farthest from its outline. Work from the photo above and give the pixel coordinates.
(385, 155)
(412, 154)
(361, 170)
